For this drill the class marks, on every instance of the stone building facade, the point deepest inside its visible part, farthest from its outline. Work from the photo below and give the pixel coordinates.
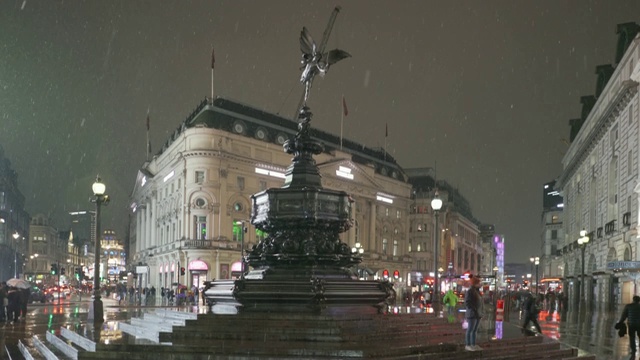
(191, 202)
(600, 184)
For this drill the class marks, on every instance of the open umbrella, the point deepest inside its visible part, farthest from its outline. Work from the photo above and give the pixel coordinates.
(19, 283)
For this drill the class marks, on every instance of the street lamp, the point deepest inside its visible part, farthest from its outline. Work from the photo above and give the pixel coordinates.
(15, 257)
(99, 197)
(532, 260)
(436, 205)
(582, 242)
(358, 250)
(537, 262)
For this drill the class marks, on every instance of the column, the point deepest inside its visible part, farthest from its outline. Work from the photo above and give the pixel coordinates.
(372, 228)
(138, 235)
(351, 237)
(143, 228)
(147, 226)
(154, 223)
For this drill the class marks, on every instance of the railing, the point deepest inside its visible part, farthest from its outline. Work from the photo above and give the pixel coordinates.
(209, 244)
(610, 227)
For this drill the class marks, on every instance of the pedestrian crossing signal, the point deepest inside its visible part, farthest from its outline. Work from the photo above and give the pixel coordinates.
(54, 269)
(182, 271)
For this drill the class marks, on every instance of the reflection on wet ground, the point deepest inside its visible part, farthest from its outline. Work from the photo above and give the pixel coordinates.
(593, 333)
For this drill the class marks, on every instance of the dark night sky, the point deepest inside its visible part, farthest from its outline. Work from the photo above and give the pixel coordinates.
(483, 88)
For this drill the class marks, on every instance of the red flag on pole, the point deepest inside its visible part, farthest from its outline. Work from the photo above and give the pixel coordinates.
(344, 107)
(213, 57)
(147, 122)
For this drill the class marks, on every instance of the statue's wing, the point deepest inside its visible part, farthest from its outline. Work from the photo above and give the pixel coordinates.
(307, 45)
(336, 55)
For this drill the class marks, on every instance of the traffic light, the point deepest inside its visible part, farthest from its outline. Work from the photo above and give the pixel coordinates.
(396, 274)
(54, 269)
(385, 274)
(182, 271)
(62, 271)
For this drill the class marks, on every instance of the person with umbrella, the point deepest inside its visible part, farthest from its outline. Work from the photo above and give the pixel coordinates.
(13, 308)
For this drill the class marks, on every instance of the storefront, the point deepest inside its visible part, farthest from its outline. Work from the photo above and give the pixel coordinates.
(198, 270)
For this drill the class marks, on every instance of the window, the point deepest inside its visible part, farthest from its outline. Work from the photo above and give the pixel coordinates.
(419, 227)
(263, 185)
(630, 114)
(410, 244)
(398, 214)
(554, 234)
(200, 202)
(630, 163)
(199, 177)
(386, 211)
(240, 181)
(238, 233)
(201, 227)
(395, 247)
(238, 207)
(384, 246)
(260, 235)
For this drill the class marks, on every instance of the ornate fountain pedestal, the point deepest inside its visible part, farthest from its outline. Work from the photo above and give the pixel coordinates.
(302, 265)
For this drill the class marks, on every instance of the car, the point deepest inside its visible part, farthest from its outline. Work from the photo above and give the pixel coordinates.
(38, 296)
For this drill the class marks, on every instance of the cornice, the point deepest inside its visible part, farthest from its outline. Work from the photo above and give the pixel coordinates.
(627, 90)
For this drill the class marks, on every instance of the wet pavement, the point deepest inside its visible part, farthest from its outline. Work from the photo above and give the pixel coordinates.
(592, 333)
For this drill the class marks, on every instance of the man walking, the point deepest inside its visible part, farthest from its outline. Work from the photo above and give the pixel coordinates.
(631, 313)
(531, 312)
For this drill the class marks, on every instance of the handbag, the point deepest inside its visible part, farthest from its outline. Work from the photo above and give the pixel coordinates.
(465, 324)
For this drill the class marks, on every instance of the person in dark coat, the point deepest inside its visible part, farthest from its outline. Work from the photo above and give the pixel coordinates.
(24, 300)
(531, 312)
(473, 314)
(13, 309)
(631, 313)
(3, 301)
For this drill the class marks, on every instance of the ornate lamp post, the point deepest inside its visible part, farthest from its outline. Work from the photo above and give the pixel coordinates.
(359, 250)
(436, 205)
(537, 262)
(99, 197)
(582, 242)
(15, 257)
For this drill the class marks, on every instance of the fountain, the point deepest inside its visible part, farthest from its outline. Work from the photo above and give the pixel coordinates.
(302, 265)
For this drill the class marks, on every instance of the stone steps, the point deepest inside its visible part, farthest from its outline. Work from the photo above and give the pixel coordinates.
(294, 336)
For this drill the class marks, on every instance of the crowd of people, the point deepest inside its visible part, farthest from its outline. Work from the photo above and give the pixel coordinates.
(13, 303)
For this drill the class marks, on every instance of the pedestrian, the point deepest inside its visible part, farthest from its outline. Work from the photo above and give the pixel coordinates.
(531, 312)
(3, 301)
(13, 305)
(631, 313)
(24, 300)
(473, 304)
(204, 299)
(450, 301)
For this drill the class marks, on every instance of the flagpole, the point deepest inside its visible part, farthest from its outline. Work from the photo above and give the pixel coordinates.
(386, 133)
(213, 61)
(341, 122)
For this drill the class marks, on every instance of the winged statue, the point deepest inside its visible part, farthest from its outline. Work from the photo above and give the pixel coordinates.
(315, 61)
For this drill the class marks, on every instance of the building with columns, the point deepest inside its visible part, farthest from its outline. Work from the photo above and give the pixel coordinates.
(191, 202)
(459, 246)
(600, 184)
